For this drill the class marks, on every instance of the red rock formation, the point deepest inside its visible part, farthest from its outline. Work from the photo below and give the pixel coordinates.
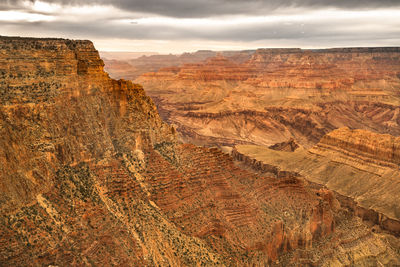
(90, 175)
(315, 92)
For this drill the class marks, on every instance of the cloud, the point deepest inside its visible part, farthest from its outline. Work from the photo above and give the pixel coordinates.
(224, 23)
(333, 24)
(209, 8)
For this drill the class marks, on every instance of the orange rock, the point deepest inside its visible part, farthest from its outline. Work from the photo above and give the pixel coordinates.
(91, 175)
(278, 94)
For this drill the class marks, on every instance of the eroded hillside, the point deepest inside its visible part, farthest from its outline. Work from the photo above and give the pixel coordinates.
(91, 175)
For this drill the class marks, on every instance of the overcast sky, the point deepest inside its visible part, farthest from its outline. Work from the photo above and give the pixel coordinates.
(174, 26)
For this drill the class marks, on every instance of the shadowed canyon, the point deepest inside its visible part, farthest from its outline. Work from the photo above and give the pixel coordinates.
(93, 174)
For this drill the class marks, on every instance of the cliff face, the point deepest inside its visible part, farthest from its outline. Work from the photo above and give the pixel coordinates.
(63, 124)
(292, 93)
(58, 107)
(90, 175)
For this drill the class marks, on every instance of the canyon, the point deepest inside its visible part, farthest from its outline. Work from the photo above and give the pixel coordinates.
(90, 174)
(271, 95)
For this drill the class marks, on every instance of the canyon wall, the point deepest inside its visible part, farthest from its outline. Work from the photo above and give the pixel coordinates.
(91, 175)
(279, 94)
(362, 167)
(376, 157)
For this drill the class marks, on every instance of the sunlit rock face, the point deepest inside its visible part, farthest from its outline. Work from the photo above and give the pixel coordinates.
(91, 175)
(278, 94)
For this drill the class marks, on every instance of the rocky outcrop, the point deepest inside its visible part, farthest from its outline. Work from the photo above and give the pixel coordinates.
(91, 175)
(231, 209)
(324, 89)
(288, 146)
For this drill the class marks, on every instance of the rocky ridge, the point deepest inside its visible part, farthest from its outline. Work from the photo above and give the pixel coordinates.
(91, 175)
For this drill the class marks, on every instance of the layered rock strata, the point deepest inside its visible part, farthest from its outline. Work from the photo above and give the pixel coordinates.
(361, 166)
(90, 175)
(361, 145)
(279, 94)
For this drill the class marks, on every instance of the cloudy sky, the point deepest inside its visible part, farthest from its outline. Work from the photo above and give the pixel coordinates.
(174, 26)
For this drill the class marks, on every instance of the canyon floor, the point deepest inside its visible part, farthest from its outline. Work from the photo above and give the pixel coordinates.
(91, 175)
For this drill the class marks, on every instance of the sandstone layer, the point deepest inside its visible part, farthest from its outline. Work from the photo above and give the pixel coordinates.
(91, 175)
(361, 166)
(279, 94)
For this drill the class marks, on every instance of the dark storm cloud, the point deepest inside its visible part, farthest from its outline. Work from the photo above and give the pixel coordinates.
(297, 23)
(207, 8)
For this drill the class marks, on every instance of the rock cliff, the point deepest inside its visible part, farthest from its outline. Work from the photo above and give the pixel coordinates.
(91, 175)
(59, 107)
(279, 94)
